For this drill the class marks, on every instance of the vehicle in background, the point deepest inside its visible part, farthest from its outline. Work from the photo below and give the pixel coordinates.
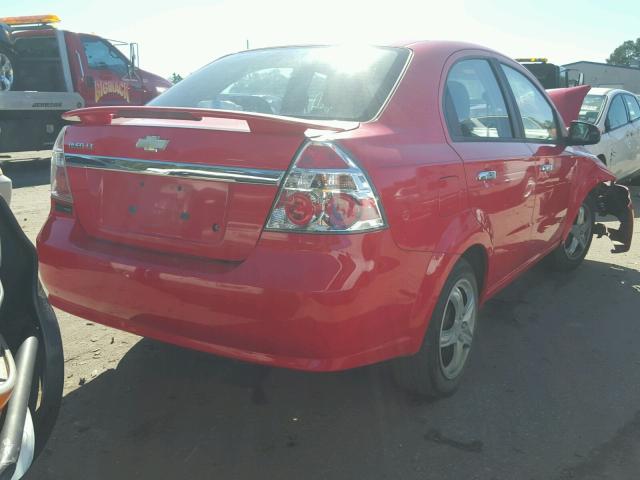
(550, 75)
(607, 75)
(364, 215)
(5, 187)
(7, 59)
(617, 114)
(60, 70)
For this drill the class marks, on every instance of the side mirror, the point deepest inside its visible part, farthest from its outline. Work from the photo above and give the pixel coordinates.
(583, 133)
(133, 66)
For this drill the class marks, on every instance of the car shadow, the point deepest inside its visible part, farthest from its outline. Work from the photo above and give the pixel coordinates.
(28, 173)
(553, 374)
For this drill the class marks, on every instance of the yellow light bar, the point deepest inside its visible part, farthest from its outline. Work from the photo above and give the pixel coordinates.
(532, 60)
(31, 20)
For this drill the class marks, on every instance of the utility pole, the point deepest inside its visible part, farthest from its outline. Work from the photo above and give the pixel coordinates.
(247, 48)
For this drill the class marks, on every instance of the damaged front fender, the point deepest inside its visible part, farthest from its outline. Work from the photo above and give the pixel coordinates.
(614, 199)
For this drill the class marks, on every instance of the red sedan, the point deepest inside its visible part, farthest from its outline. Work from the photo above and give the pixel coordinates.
(323, 208)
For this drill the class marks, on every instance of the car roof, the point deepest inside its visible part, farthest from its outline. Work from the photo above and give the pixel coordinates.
(607, 91)
(442, 46)
(432, 46)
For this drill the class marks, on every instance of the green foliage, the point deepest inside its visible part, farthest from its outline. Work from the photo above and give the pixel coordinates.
(626, 54)
(175, 78)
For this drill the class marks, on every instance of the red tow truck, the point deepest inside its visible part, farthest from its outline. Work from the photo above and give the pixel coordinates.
(55, 71)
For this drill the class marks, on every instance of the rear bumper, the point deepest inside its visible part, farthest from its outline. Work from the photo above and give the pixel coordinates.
(307, 302)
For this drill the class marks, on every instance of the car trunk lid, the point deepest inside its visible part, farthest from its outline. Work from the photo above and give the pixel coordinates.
(180, 181)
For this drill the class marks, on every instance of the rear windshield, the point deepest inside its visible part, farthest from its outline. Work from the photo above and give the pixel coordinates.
(591, 107)
(321, 83)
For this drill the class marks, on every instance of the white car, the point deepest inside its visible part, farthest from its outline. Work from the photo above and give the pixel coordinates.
(617, 114)
(5, 187)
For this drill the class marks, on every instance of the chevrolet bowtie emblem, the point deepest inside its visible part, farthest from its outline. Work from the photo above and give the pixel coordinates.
(152, 143)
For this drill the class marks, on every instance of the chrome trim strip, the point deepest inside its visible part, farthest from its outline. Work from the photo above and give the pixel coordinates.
(175, 169)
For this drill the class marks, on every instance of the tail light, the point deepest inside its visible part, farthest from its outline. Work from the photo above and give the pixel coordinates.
(60, 189)
(325, 191)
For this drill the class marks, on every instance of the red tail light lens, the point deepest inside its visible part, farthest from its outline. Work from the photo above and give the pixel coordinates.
(299, 208)
(60, 189)
(325, 191)
(342, 211)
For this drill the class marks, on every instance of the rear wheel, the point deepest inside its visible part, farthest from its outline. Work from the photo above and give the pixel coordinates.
(7, 69)
(435, 371)
(572, 251)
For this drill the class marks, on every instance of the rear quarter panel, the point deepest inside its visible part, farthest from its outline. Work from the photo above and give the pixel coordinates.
(420, 180)
(423, 192)
(418, 175)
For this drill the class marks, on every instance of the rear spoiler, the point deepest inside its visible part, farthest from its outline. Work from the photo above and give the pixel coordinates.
(257, 122)
(568, 101)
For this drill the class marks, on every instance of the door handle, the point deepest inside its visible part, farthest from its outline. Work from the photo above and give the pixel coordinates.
(487, 175)
(546, 168)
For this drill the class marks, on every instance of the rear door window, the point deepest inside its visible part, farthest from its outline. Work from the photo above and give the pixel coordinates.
(537, 115)
(474, 105)
(617, 115)
(633, 107)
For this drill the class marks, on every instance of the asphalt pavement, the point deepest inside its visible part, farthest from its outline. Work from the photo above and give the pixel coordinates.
(552, 392)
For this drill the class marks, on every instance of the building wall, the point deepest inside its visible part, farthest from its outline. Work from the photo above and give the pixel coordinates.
(603, 75)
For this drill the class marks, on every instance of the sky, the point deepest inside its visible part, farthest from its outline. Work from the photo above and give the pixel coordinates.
(182, 35)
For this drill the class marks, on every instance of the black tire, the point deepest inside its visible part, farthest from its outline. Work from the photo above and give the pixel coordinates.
(48, 382)
(26, 312)
(562, 259)
(7, 64)
(427, 373)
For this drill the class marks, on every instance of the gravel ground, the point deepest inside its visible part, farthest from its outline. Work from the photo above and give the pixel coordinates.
(553, 392)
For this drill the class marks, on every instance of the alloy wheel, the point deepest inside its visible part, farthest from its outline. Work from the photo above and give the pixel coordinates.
(578, 239)
(6, 73)
(457, 328)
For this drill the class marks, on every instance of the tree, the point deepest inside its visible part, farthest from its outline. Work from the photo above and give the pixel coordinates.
(626, 54)
(175, 78)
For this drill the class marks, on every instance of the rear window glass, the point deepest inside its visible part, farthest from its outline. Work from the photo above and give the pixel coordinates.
(617, 115)
(633, 107)
(545, 73)
(37, 47)
(591, 107)
(322, 83)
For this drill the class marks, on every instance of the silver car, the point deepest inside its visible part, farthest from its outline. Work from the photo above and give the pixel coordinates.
(5, 187)
(617, 114)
